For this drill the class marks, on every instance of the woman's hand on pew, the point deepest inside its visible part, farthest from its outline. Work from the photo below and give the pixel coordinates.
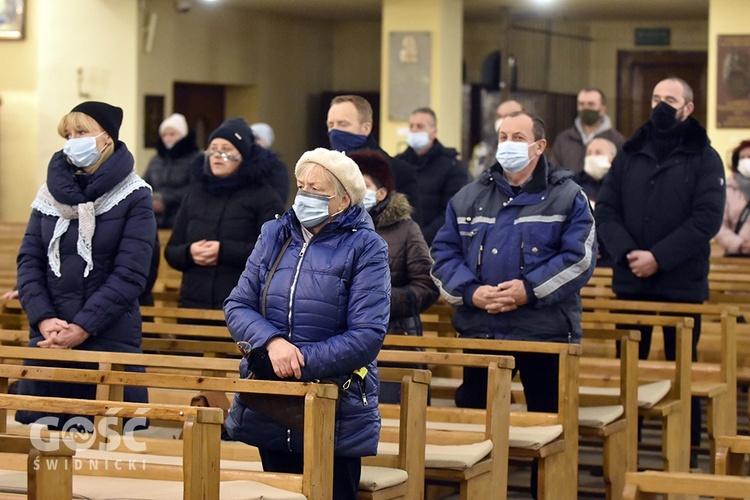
(67, 338)
(286, 358)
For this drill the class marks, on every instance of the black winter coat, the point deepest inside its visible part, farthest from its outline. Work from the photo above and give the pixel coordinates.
(104, 303)
(440, 175)
(230, 210)
(169, 175)
(672, 209)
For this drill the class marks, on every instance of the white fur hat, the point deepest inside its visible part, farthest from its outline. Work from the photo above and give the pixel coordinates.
(264, 132)
(176, 122)
(341, 166)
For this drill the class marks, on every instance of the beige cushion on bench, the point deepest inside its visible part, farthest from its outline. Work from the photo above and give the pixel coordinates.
(598, 416)
(533, 437)
(648, 394)
(114, 488)
(377, 478)
(446, 456)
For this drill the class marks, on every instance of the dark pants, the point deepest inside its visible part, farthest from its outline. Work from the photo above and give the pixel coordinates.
(346, 470)
(539, 375)
(670, 352)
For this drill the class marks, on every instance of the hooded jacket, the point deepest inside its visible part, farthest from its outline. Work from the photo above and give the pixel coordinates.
(169, 175)
(672, 208)
(440, 175)
(544, 236)
(412, 289)
(104, 303)
(230, 210)
(329, 297)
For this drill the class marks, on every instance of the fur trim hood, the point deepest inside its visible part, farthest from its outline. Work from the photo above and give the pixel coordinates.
(396, 208)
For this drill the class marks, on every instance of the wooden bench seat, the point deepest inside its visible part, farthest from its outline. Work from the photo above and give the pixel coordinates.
(647, 485)
(316, 480)
(558, 470)
(478, 462)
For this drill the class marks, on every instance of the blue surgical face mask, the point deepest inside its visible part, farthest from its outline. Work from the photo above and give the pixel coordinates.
(82, 151)
(311, 209)
(345, 141)
(418, 140)
(513, 156)
(370, 199)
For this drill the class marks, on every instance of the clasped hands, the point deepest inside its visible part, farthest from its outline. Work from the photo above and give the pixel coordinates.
(505, 297)
(59, 334)
(205, 252)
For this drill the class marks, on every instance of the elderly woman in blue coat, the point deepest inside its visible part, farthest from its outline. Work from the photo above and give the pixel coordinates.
(326, 313)
(85, 256)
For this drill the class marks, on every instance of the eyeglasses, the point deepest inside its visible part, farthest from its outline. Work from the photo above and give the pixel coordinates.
(224, 156)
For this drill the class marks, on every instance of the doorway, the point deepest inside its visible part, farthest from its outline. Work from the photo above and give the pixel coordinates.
(203, 107)
(639, 72)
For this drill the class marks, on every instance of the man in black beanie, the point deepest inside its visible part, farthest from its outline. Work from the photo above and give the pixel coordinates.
(659, 207)
(107, 116)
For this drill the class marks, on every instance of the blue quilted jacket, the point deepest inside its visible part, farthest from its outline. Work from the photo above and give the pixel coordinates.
(330, 298)
(543, 235)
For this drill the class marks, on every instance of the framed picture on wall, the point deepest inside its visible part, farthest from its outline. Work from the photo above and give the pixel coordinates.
(153, 116)
(12, 13)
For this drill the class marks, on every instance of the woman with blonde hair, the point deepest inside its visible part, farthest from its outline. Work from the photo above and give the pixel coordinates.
(85, 256)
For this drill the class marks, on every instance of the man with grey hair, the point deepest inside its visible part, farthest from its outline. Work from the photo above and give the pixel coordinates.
(661, 203)
(592, 122)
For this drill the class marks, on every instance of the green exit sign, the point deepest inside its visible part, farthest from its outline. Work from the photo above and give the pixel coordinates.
(653, 36)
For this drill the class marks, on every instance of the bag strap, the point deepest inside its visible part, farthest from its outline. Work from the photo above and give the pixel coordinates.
(271, 273)
(743, 218)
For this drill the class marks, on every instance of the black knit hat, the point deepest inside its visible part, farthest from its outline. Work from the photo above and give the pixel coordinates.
(107, 116)
(376, 166)
(238, 132)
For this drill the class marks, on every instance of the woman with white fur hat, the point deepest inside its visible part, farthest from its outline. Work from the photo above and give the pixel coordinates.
(169, 171)
(315, 298)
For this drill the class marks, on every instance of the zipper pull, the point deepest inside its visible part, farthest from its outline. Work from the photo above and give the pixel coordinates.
(347, 384)
(361, 384)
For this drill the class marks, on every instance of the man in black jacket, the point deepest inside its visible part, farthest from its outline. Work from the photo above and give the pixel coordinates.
(439, 173)
(659, 207)
(349, 125)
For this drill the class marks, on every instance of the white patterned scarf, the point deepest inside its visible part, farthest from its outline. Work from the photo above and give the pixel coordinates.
(86, 213)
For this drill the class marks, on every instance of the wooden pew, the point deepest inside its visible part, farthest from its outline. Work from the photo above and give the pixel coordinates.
(720, 392)
(558, 460)
(316, 480)
(674, 409)
(191, 375)
(487, 477)
(650, 484)
(49, 471)
(201, 438)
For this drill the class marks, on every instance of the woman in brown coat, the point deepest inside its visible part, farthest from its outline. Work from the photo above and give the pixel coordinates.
(412, 289)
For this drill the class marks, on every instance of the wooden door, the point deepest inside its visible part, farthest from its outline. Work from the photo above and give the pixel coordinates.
(638, 74)
(203, 107)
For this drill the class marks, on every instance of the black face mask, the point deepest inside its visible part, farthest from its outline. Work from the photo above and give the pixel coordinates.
(664, 116)
(589, 116)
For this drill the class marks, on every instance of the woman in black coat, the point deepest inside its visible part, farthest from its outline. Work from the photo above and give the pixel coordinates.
(85, 256)
(220, 217)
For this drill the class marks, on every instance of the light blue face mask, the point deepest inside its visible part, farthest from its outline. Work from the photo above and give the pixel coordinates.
(513, 156)
(311, 209)
(418, 140)
(370, 199)
(82, 151)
